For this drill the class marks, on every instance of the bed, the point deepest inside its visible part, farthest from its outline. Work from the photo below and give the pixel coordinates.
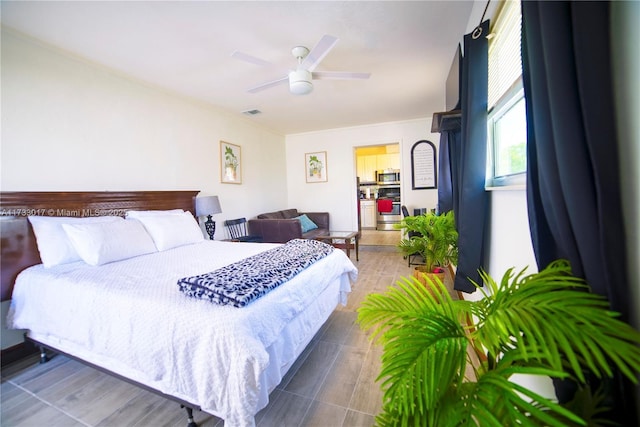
(130, 318)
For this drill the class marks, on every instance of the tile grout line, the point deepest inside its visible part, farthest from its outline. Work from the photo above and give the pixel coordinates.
(326, 374)
(355, 387)
(49, 404)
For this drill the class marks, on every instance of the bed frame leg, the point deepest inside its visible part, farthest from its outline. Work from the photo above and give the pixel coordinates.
(43, 355)
(191, 422)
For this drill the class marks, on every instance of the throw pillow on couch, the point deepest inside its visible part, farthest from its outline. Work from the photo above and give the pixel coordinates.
(307, 224)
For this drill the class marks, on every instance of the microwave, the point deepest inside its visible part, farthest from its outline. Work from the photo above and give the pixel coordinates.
(388, 176)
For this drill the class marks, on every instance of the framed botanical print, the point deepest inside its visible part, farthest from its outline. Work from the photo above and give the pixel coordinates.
(230, 163)
(316, 166)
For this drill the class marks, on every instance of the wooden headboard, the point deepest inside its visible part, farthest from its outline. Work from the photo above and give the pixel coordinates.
(18, 244)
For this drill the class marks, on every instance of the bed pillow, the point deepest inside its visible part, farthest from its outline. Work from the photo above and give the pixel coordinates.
(138, 214)
(102, 243)
(54, 246)
(307, 224)
(172, 230)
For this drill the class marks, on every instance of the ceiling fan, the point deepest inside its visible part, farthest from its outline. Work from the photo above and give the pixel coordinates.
(300, 78)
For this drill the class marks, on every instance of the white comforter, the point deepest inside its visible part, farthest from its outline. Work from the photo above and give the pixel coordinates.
(130, 317)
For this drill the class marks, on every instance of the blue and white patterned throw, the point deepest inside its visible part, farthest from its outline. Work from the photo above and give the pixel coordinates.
(240, 283)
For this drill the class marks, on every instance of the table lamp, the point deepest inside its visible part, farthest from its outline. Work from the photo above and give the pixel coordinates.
(207, 206)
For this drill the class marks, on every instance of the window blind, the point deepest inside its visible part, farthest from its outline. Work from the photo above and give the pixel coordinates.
(505, 61)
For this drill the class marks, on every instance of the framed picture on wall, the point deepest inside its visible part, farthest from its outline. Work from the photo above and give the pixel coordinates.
(316, 166)
(423, 165)
(230, 163)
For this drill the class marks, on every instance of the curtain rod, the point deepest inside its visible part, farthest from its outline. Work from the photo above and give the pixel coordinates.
(477, 32)
(484, 13)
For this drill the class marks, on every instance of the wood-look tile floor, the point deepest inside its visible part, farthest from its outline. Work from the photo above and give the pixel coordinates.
(331, 384)
(376, 238)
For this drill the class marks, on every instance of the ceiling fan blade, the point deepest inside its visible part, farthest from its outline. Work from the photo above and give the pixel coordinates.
(267, 85)
(345, 75)
(249, 58)
(318, 53)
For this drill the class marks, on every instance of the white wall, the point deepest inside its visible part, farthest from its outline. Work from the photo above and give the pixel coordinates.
(338, 195)
(68, 124)
(509, 238)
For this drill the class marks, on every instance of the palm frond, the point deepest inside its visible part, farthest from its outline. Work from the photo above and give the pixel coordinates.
(379, 311)
(518, 402)
(545, 324)
(426, 355)
(553, 315)
(419, 364)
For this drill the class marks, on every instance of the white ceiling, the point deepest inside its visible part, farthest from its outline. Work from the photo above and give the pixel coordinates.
(186, 47)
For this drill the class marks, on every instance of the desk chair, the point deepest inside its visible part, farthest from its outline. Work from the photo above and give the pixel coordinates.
(238, 231)
(405, 213)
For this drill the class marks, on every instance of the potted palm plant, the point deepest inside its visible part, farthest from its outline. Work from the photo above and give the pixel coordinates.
(432, 236)
(544, 324)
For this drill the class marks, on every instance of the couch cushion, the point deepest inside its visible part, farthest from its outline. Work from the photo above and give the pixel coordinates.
(290, 213)
(272, 215)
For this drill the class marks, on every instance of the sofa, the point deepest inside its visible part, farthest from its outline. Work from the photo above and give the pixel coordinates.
(282, 226)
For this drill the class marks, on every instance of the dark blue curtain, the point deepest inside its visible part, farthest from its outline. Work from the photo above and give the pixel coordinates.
(573, 181)
(468, 160)
(445, 191)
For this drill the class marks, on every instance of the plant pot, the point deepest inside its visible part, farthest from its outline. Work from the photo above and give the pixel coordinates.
(422, 275)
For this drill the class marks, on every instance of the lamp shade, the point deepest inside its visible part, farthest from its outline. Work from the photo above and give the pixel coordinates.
(207, 205)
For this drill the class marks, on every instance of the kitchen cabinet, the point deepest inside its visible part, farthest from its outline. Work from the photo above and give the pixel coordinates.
(378, 157)
(388, 161)
(368, 165)
(366, 168)
(394, 160)
(368, 213)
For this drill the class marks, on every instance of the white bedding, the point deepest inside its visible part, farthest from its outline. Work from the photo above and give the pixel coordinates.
(130, 317)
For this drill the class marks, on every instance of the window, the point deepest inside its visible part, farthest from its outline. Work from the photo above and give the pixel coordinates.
(507, 133)
(507, 126)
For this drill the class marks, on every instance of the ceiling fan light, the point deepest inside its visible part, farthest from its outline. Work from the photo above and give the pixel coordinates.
(300, 82)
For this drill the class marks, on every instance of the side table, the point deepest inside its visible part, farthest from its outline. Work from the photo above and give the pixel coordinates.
(342, 239)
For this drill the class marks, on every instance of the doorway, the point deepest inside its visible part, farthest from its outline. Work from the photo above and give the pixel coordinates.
(370, 160)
